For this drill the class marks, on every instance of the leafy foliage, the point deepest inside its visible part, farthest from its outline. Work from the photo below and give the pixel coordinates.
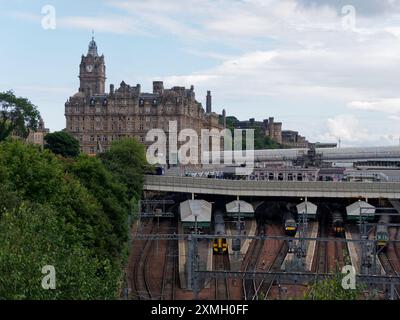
(34, 236)
(331, 289)
(17, 116)
(71, 213)
(111, 195)
(62, 143)
(126, 158)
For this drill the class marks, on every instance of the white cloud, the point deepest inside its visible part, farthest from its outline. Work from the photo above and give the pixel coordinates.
(352, 131)
(347, 127)
(391, 106)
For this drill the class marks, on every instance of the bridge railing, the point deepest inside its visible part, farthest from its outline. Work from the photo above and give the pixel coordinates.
(257, 185)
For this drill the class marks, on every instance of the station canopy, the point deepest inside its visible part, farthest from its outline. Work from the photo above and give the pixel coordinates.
(360, 206)
(246, 209)
(311, 207)
(191, 208)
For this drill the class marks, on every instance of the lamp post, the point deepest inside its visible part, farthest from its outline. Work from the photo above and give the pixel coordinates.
(196, 214)
(237, 252)
(195, 259)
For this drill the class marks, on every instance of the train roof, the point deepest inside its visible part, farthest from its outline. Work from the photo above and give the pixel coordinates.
(311, 207)
(191, 208)
(245, 207)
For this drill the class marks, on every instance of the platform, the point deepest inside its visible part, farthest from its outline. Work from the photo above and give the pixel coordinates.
(250, 230)
(205, 256)
(311, 245)
(312, 232)
(353, 247)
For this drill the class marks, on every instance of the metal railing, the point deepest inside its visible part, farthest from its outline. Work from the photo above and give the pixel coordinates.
(272, 188)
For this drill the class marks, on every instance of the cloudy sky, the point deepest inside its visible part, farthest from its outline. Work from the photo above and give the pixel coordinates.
(329, 69)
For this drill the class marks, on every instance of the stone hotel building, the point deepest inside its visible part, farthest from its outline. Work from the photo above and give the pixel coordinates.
(97, 118)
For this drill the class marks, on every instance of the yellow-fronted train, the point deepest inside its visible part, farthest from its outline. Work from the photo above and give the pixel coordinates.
(289, 223)
(337, 223)
(220, 245)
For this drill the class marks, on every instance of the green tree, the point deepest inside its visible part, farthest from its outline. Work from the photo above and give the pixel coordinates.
(110, 194)
(71, 213)
(62, 143)
(126, 159)
(39, 191)
(17, 116)
(33, 236)
(331, 289)
(232, 123)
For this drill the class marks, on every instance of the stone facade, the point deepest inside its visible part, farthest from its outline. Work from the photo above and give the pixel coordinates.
(37, 137)
(293, 139)
(273, 130)
(97, 118)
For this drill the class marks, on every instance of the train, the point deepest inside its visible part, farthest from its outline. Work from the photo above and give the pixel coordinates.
(220, 245)
(382, 233)
(289, 223)
(337, 223)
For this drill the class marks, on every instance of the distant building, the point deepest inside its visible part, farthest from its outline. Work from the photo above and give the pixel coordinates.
(96, 118)
(273, 130)
(293, 139)
(37, 137)
(286, 138)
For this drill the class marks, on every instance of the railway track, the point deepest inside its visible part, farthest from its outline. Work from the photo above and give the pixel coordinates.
(322, 252)
(266, 286)
(250, 285)
(140, 276)
(169, 272)
(397, 246)
(339, 254)
(390, 266)
(390, 270)
(221, 262)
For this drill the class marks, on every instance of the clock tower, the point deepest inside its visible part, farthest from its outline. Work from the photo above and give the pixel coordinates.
(92, 72)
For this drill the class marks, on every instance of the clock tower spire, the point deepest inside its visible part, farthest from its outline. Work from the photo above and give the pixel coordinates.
(92, 71)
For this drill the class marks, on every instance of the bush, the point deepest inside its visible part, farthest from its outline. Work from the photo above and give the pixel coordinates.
(70, 213)
(62, 143)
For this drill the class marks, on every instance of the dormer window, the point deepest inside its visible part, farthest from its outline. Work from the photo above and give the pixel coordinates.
(92, 102)
(105, 102)
(141, 102)
(154, 102)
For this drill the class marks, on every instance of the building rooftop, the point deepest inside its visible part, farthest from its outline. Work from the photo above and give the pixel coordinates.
(245, 207)
(190, 208)
(356, 207)
(311, 207)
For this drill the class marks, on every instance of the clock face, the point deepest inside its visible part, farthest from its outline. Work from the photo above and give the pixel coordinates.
(89, 68)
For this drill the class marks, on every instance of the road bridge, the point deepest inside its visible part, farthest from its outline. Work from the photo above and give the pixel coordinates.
(315, 189)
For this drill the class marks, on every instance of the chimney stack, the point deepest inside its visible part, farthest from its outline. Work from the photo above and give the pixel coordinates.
(209, 102)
